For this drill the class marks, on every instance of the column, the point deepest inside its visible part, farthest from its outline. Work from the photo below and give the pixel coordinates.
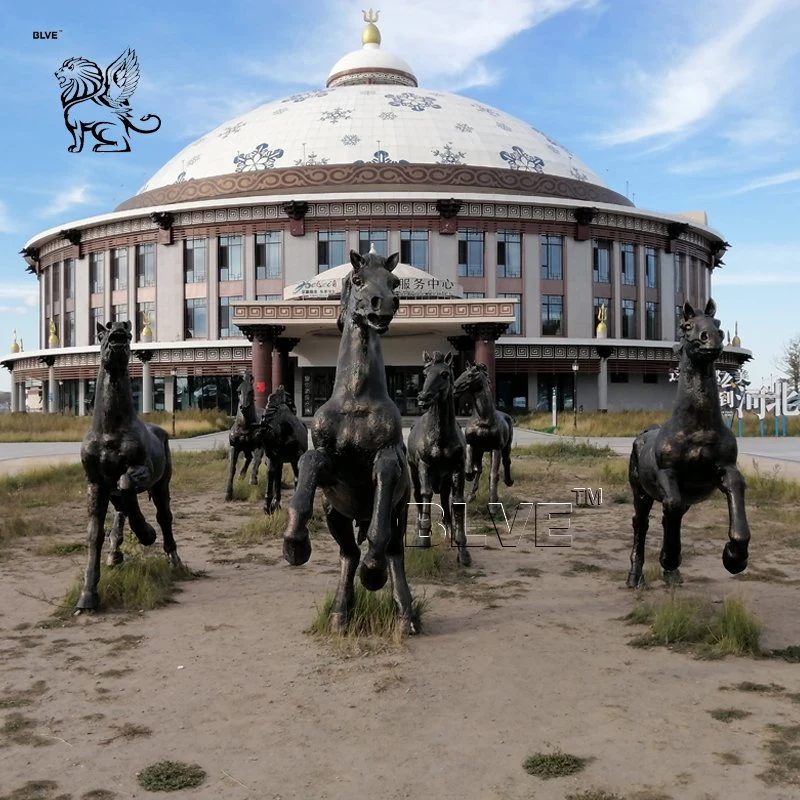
(147, 380)
(14, 393)
(280, 362)
(22, 400)
(485, 335)
(52, 389)
(263, 339)
(82, 397)
(602, 378)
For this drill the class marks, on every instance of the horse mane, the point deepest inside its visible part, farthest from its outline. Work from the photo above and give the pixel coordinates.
(347, 286)
(437, 357)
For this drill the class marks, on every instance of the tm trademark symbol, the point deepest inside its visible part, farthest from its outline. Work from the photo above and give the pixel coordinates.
(591, 497)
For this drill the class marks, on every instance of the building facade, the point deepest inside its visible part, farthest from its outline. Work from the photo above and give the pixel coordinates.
(528, 248)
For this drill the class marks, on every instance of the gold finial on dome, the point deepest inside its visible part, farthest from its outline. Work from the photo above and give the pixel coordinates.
(14, 345)
(371, 34)
(602, 328)
(53, 339)
(736, 341)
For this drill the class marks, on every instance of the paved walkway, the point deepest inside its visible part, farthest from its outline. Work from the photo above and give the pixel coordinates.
(766, 452)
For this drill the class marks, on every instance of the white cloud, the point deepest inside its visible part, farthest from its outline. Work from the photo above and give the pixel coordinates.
(23, 296)
(66, 199)
(729, 59)
(760, 265)
(791, 176)
(6, 225)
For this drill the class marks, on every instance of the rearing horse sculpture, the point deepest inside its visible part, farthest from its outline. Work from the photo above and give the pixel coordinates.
(488, 430)
(359, 459)
(243, 437)
(691, 455)
(436, 453)
(122, 457)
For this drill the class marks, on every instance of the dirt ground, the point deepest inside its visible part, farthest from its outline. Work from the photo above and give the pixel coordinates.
(530, 654)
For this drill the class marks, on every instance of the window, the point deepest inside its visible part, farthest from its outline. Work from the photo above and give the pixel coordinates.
(229, 258)
(470, 254)
(47, 277)
(331, 249)
(379, 238)
(679, 262)
(414, 248)
(551, 247)
(268, 255)
(678, 320)
(474, 295)
(509, 255)
(226, 325)
(601, 259)
(260, 297)
(119, 268)
(145, 265)
(516, 327)
(602, 301)
(194, 261)
(618, 377)
(650, 377)
(552, 313)
(195, 319)
(628, 319)
(95, 318)
(652, 329)
(97, 268)
(145, 315)
(68, 339)
(59, 332)
(119, 313)
(56, 282)
(650, 268)
(69, 278)
(628, 266)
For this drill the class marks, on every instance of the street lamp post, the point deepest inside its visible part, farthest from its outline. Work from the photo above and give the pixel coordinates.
(575, 394)
(174, 397)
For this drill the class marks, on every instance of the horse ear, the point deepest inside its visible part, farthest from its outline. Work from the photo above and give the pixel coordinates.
(109, 324)
(127, 325)
(448, 359)
(426, 357)
(101, 331)
(467, 364)
(392, 261)
(357, 260)
(483, 368)
(688, 311)
(711, 308)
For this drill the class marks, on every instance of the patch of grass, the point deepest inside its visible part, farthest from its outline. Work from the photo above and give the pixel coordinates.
(729, 714)
(593, 794)
(784, 756)
(583, 568)
(261, 527)
(98, 794)
(765, 574)
(37, 790)
(757, 688)
(554, 765)
(67, 549)
(434, 564)
(22, 697)
(19, 729)
(695, 622)
(529, 572)
(128, 730)
(618, 498)
(169, 776)
(764, 487)
(563, 450)
(790, 654)
(614, 473)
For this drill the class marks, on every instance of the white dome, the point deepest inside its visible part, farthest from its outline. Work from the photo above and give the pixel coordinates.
(371, 123)
(370, 59)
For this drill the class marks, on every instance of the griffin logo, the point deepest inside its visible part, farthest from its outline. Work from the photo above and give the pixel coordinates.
(99, 104)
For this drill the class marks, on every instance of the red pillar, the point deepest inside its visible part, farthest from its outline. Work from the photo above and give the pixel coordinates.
(262, 366)
(485, 336)
(277, 368)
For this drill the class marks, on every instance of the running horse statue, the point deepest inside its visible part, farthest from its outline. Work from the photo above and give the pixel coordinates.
(359, 459)
(283, 438)
(488, 430)
(682, 462)
(436, 453)
(244, 437)
(122, 457)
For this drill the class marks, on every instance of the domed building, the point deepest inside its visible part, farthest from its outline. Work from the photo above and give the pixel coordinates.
(513, 253)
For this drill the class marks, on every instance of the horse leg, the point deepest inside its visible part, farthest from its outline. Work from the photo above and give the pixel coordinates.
(272, 497)
(97, 502)
(469, 470)
(423, 494)
(233, 457)
(477, 465)
(494, 475)
(387, 471)
(458, 507)
(507, 479)
(642, 503)
(258, 456)
(314, 469)
(295, 470)
(115, 556)
(161, 500)
(341, 529)
(395, 554)
(142, 529)
(673, 509)
(734, 555)
(248, 457)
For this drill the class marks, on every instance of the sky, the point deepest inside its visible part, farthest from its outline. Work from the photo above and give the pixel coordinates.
(680, 104)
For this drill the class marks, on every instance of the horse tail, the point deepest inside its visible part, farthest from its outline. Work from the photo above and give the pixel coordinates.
(147, 129)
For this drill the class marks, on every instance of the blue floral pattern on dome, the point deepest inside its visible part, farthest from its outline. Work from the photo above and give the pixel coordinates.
(299, 98)
(503, 126)
(520, 160)
(447, 155)
(181, 178)
(350, 139)
(387, 115)
(552, 143)
(311, 160)
(261, 157)
(280, 110)
(412, 101)
(335, 115)
(486, 109)
(231, 129)
(463, 127)
(577, 174)
(381, 157)
(193, 160)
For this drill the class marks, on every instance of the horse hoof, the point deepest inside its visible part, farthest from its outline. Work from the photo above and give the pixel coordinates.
(174, 561)
(88, 601)
(469, 476)
(373, 574)
(635, 580)
(406, 626)
(732, 562)
(297, 551)
(337, 622)
(228, 497)
(463, 557)
(422, 541)
(509, 481)
(147, 535)
(673, 577)
(115, 559)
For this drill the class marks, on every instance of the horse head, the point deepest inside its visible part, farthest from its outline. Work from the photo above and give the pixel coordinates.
(115, 345)
(701, 337)
(246, 391)
(438, 385)
(472, 380)
(368, 292)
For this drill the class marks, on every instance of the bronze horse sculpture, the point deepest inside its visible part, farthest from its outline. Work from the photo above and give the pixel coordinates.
(359, 459)
(122, 457)
(682, 462)
(244, 437)
(283, 438)
(436, 453)
(488, 430)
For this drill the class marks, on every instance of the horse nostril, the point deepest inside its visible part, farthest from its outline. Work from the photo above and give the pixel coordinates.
(396, 303)
(375, 303)
(703, 336)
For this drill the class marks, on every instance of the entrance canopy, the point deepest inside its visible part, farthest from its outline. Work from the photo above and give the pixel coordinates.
(414, 283)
